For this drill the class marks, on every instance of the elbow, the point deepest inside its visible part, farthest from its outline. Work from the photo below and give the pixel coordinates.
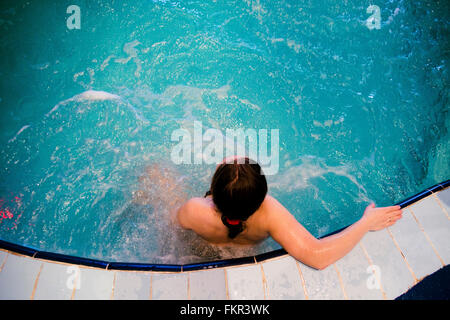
(319, 260)
(319, 265)
(314, 260)
(316, 263)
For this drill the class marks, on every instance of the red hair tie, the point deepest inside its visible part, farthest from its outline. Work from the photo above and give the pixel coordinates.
(233, 222)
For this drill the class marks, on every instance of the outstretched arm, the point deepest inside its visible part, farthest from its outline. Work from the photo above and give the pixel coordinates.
(320, 253)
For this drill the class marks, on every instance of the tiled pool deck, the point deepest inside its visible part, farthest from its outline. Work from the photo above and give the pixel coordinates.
(383, 265)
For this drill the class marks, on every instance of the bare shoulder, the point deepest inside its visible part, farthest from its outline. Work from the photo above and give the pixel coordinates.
(267, 212)
(271, 207)
(275, 214)
(189, 210)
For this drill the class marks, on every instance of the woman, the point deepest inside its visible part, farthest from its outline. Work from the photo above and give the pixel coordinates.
(238, 210)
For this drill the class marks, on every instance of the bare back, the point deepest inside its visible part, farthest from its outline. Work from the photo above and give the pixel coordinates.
(201, 216)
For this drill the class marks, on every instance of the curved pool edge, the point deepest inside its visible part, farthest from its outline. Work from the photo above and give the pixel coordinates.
(376, 250)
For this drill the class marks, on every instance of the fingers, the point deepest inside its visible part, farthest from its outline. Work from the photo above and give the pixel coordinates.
(396, 212)
(387, 209)
(392, 221)
(393, 218)
(392, 208)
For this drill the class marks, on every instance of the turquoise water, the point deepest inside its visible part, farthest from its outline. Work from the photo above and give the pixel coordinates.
(362, 114)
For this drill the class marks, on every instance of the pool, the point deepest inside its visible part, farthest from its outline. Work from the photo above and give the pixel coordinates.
(88, 114)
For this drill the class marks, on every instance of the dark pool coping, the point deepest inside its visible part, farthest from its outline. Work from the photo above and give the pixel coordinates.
(131, 266)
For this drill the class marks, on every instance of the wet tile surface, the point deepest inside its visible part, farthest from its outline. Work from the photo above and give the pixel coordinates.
(169, 286)
(444, 199)
(283, 279)
(245, 282)
(95, 284)
(17, 277)
(414, 245)
(132, 285)
(394, 274)
(323, 284)
(436, 225)
(207, 285)
(358, 276)
(56, 282)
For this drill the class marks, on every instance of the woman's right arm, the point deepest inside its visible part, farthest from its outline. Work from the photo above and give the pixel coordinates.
(320, 253)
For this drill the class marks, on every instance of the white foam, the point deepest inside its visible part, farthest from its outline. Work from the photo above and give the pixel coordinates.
(41, 66)
(105, 63)
(298, 177)
(95, 95)
(18, 132)
(132, 54)
(89, 95)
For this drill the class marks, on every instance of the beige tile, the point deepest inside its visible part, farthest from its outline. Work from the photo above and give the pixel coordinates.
(358, 276)
(394, 273)
(56, 282)
(283, 279)
(245, 282)
(18, 277)
(413, 244)
(322, 284)
(436, 225)
(169, 286)
(444, 199)
(207, 284)
(95, 284)
(131, 285)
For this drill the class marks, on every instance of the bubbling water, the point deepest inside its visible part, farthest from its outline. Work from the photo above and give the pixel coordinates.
(87, 115)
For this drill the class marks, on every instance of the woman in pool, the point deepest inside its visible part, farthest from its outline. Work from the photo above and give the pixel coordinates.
(238, 210)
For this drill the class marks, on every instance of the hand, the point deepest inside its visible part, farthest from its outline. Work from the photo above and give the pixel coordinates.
(380, 218)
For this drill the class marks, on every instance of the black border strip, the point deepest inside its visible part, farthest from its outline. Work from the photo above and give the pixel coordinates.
(131, 266)
(27, 251)
(144, 267)
(71, 259)
(219, 263)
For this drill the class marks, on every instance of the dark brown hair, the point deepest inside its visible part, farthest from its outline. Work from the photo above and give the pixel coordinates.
(238, 189)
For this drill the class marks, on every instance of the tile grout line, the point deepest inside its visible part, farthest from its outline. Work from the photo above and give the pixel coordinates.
(340, 281)
(302, 280)
(151, 286)
(372, 264)
(4, 262)
(77, 279)
(226, 283)
(113, 286)
(264, 283)
(188, 286)
(33, 292)
(440, 204)
(403, 256)
(427, 237)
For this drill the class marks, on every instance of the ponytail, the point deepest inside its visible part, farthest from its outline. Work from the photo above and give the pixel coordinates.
(233, 228)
